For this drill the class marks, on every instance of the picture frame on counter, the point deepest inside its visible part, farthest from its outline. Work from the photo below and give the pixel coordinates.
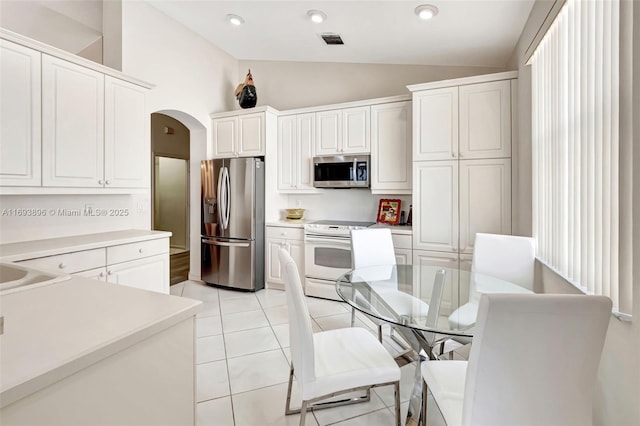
(389, 211)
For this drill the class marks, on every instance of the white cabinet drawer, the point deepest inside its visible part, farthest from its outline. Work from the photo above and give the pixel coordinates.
(133, 251)
(401, 241)
(69, 262)
(285, 233)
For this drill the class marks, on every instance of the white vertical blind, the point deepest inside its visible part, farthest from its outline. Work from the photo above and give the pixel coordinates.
(575, 108)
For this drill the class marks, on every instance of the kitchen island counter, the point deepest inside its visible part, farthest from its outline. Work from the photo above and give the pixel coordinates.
(58, 332)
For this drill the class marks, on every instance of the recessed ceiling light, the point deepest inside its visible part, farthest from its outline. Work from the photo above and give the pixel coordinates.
(235, 19)
(316, 16)
(426, 11)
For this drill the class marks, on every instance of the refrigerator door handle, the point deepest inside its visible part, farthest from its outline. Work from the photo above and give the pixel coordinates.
(226, 243)
(219, 195)
(227, 192)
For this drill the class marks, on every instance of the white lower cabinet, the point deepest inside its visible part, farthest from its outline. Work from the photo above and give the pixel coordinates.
(150, 273)
(143, 264)
(402, 248)
(456, 287)
(292, 240)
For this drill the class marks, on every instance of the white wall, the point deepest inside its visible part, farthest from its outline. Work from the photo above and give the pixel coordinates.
(616, 402)
(289, 85)
(193, 78)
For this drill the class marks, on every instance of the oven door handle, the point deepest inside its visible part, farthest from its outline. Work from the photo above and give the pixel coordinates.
(329, 241)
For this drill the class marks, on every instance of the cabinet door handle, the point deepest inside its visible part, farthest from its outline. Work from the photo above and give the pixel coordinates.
(108, 182)
(109, 272)
(62, 266)
(140, 251)
(101, 274)
(101, 182)
(453, 154)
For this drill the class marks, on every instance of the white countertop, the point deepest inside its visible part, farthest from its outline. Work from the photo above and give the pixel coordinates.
(289, 224)
(395, 229)
(13, 252)
(53, 331)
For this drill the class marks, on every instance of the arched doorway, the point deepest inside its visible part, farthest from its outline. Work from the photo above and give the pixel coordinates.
(178, 144)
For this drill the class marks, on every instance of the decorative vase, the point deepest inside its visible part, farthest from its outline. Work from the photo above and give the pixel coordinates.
(246, 92)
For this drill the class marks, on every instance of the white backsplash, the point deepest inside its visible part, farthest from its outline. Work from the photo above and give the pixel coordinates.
(33, 217)
(342, 204)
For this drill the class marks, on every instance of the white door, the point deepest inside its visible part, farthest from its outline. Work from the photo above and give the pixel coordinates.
(329, 132)
(150, 273)
(296, 250)
(356, 130)
(224, 136)
(305, 150)
(425, 276)
(127, 144)
(20, 104)
(274, 271)
(485, 199)
(391, 147)
(251, 135)
(485, 120)
(435, 205)
(435, 130)
(287, 161)
(72, 124)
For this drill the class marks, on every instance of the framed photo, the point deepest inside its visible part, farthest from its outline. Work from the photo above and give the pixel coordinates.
(388, 211)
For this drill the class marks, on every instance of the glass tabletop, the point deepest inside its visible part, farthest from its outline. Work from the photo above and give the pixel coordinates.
(426, 298)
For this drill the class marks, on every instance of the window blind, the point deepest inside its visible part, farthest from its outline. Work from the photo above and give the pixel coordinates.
(575, 142)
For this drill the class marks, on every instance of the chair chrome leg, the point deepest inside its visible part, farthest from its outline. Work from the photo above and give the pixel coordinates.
(303, 413)
(396, 389)
(424, 403)
(287, 408)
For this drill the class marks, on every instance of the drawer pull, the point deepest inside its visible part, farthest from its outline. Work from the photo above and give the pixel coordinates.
(101, 274)
(140, 251)
(62, 266)
(109, 272)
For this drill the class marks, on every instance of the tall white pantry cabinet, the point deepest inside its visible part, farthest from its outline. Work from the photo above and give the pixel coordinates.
(462, 137)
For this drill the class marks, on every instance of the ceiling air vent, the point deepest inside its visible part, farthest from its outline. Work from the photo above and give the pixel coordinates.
(331, 38)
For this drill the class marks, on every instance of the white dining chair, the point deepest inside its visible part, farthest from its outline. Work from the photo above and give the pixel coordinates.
(332, 362)
(506, 257)
(533, 362)
(371, 248)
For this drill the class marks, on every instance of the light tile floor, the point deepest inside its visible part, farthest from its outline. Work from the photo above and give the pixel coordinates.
(243, 361)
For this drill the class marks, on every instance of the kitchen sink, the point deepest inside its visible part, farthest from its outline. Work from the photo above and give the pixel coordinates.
(16, 278)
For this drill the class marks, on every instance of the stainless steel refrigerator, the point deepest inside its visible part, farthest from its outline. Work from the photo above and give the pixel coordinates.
(232, 243)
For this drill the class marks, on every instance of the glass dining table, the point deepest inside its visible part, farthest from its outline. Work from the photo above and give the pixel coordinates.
(427, 305)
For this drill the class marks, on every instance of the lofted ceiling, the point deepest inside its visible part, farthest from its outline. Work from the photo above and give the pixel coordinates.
(463, 33)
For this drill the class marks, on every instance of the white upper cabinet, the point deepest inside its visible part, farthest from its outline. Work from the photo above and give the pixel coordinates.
(240, 135)
(296, 136)
(20, 104)
(127, 149)
(485, 120)
(391, 148)
(225, 132)
(328, 132)
(72, 124)
(356, 128)
(343, 131)
(435, 126)
(95, 129)
(467, 122)
(251, 135)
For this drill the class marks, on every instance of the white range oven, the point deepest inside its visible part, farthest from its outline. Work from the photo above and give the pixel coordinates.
(327, 255)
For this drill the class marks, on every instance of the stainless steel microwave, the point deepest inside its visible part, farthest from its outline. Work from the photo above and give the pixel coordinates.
(341, 171)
